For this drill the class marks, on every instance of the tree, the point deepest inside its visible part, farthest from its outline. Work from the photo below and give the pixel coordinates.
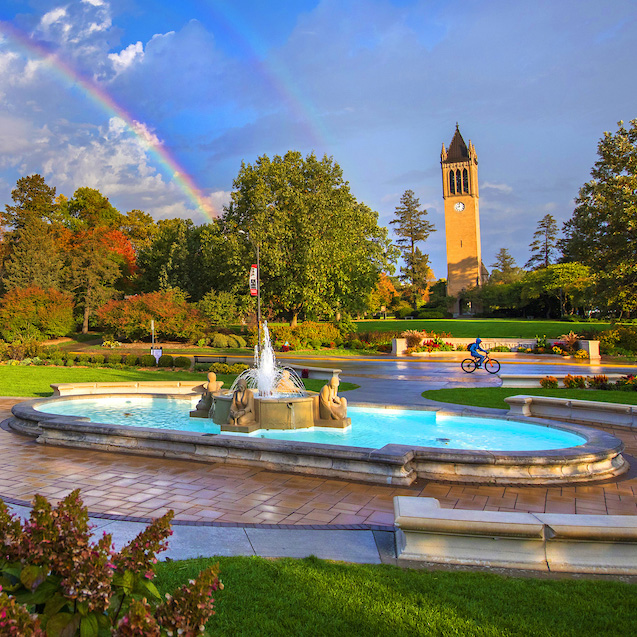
(32, 198)
(92, 270)
(140, 228)
(321, 251)
(544, 244)
(412, 226)
(504, 269)
(602, 233)
(89, 208)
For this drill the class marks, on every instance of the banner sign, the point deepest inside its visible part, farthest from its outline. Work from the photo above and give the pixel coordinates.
(253, 281)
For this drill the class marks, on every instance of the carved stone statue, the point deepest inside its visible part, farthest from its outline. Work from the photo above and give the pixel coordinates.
(209, 388)
(332, 406)
(285, 384)
(242, 407)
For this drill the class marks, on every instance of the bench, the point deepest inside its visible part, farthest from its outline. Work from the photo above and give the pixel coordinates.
(537, 541)
(209, 359)
(588, 412)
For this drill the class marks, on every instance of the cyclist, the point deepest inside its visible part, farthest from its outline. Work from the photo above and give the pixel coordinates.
(475, 350)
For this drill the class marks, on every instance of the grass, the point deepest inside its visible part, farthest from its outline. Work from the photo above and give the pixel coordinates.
(490, 328)
(317, 597)
(35, 381)
(494, 396)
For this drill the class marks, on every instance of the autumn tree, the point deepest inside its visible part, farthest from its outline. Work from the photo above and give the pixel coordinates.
(321, 250)
(544, 244)
(602, 233)
(411, 227)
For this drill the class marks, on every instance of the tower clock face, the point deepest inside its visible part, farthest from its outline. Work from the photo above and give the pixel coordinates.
(459, 206)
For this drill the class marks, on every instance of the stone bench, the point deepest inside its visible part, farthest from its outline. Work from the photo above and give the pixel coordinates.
(210, 358)
(536, 541)
(581, 411)
(127, 387)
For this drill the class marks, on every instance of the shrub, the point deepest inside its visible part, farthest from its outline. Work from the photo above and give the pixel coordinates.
(77, 586)
(83, 359)
(557, 350)
(114, 359)
(98, 359)
(574, 382)
(597, 382)
(233, 341)
(148, 360)
(219, 340)
(58, 362)
(182, 362)
(500, 348)
(434, 314)
(549, 382)
(581, 354)
(414, 338)
(165, 360)
(202, 342)
(42, 313)
(131, 360)
(345, 326)
(570, 340)
(220, 308)
(242, 341)
(357, 344)
(404, 312)
(174, 317)
(316, 343)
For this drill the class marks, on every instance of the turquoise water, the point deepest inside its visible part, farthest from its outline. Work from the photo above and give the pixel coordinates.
(371, 427)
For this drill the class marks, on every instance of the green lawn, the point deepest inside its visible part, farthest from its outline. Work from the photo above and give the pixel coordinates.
(494, 396)
(35, 381)
(316, 597)
(471, 328)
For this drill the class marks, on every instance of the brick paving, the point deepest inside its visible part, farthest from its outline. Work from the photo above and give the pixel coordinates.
(141, 487)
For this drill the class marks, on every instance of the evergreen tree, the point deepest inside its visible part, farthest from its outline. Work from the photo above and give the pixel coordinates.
(32, 198)
(412, 226)
(35, 260)
(544, 244)
(602, 232)
(504, 269)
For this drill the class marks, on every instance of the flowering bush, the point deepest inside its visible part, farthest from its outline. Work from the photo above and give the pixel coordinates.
(557, 350)
(413, 338)
(50, 568)
(574, 382)
(549, 382)
(581, 354)
(570, 340)
(597, 382)
(627, 383)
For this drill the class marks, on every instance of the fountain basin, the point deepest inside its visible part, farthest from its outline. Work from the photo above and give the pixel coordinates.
(289, 412)
(397, 464)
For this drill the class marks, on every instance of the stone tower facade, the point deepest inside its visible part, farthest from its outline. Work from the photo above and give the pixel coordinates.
(462, 219)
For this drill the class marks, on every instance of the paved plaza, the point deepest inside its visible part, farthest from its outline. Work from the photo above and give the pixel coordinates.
(237, 504)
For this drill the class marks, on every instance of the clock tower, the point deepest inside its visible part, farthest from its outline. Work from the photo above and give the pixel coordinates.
(462, 218)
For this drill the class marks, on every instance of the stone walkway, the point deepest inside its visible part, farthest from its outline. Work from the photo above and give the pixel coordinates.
(136, 487)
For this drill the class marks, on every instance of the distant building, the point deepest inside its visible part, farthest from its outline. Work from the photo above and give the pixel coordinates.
(462, 220)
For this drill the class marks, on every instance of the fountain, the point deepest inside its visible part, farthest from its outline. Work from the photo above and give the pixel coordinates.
(270, 396)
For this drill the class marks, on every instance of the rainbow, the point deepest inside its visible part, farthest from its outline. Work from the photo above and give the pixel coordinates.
(106, 103)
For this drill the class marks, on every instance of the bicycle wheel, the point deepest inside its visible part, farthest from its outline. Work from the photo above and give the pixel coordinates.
(468, 365)
(492, 366)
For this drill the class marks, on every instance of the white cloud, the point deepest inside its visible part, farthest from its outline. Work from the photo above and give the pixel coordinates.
(504, 188)
(55, 15)
(126, 57)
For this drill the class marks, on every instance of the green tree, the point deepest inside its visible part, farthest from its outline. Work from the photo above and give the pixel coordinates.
(140, 228)
(35, 259)
(89, 208)
(412, 226)
(569, 283)
(321, 251)
(92, 270)
(544, 244)
(220, 308)
(602, 233)
(32, 198)
(504, 270)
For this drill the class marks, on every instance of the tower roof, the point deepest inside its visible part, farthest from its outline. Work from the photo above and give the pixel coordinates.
(457, 149)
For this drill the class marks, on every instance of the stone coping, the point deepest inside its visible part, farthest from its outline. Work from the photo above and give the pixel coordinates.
(166, 387)
(537, 541)
(533, 380)
(599, 458)
(589, 412)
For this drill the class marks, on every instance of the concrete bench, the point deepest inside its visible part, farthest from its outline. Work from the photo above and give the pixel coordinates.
(536, 541)
(209, 359)
(581, 411)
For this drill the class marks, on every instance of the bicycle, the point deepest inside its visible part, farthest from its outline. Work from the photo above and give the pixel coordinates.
(470, 365)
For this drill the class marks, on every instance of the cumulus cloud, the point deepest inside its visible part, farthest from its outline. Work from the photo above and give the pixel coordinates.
(126, 57)
(504, 188)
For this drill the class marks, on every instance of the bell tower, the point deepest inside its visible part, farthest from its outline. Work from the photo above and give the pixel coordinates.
(462, 218)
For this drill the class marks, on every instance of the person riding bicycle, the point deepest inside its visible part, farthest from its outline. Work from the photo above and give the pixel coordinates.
(475, 350)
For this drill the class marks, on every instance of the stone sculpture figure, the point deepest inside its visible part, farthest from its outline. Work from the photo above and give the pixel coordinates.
(285, 384)
(332, 406)
(242, 407)
(209, 388)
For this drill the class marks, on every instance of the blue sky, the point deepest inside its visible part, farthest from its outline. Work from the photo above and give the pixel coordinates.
(378, 85)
